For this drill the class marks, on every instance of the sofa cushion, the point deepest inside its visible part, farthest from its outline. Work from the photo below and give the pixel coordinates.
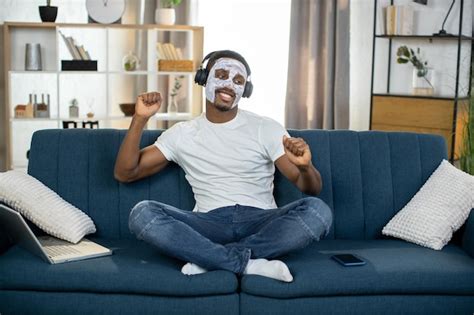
(438, 209)
(44, 207)
(134, 268)
(393, 267)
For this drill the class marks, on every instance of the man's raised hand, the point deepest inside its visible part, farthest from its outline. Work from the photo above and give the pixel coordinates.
(297, 151)
(148, 104)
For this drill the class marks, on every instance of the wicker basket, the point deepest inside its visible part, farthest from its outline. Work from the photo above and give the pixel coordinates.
(175, 65)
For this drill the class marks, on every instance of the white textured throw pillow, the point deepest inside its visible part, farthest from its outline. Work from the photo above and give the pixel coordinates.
(438, 209)
(44, 207)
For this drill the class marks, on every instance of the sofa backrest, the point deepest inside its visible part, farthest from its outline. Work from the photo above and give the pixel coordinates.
(367, 176)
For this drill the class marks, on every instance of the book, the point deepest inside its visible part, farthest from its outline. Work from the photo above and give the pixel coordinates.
(179, 53)
(68, 45)
(82, 52)
(391, 19)
(75, 53)
(161, 51)
(171, 51)
(174, 52)
(381, 21)
(166, 52)
(405, 20)
(399, 20)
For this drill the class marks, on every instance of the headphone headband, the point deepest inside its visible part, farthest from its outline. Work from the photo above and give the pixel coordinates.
(226, 53)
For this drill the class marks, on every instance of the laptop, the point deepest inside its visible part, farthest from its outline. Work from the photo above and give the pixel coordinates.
(49, 248)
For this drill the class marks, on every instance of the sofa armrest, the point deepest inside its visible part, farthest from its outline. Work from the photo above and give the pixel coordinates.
(4, 242)
(468, 236)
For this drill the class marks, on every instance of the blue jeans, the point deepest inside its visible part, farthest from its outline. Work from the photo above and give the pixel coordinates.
(227, 237)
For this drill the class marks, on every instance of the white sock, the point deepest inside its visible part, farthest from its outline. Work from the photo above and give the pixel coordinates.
(275, 269)
(192, 269)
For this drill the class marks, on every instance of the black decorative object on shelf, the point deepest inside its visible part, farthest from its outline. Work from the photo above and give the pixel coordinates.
(443, 32)
(48, 13)
(79, 65)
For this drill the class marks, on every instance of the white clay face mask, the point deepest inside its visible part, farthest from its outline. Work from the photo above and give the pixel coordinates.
(233, 67)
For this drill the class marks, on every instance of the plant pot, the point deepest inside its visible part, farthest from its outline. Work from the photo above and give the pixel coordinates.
(423, 82)
(130, 62)
(48, 13)
(165, 16)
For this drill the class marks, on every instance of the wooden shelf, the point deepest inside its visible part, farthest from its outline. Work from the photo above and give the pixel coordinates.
(96, 25)
(104, 89)
(33, 119)
(430, 37)
(429, 97)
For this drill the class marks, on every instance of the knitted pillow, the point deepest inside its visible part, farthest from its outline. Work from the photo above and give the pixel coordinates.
(44, 207)
(438, 209)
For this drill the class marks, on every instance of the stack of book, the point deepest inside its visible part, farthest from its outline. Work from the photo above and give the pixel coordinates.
(170, 58)
(168, 51)
(398, 19)
(77, 51)
(81, 60)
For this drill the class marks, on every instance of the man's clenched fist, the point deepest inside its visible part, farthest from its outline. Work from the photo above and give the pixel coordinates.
(297, 151)
(148, 104)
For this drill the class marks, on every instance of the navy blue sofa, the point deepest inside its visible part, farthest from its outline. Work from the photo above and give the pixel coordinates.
(368, 177)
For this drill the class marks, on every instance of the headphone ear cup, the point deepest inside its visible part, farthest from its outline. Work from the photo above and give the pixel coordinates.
(201, 77)
(248, 89)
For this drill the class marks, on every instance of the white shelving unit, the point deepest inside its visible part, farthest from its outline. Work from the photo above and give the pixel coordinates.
(102, 90)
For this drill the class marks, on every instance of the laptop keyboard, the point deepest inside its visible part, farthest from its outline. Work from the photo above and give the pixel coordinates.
(60, 250)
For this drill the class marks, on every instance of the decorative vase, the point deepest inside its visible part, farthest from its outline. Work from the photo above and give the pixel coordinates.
(423, 81)
(48, 13)
(130, 62)
(172, 106)
(33, 57)
(74, 111)
(165, 16)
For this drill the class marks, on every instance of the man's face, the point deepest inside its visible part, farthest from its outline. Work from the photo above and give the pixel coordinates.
(225, 83)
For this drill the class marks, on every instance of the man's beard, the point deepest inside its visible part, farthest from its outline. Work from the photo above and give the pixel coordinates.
(222, 108)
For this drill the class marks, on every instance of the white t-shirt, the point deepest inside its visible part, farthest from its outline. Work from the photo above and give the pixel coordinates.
(227, 163)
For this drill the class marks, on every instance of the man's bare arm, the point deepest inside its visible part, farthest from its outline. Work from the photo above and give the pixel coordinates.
(132, 163)
(297, 167)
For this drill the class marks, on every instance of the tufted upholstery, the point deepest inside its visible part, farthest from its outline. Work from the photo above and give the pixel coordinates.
(367, 176)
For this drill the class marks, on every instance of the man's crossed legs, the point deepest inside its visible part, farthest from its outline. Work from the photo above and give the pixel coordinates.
(236, 238)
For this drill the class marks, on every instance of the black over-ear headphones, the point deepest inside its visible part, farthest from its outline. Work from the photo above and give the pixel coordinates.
(202, 73)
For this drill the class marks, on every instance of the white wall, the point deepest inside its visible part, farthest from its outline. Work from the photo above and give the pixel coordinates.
(441, 55)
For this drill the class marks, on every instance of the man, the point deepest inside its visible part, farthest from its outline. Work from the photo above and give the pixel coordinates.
(229, 157)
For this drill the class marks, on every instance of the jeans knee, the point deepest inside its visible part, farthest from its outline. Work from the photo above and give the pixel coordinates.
(134, 224)
(322, 211)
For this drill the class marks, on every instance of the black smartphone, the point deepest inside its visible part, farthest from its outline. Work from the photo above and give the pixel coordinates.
(348, 260)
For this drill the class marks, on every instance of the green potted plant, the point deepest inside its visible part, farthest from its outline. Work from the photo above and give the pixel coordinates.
(48, 13)
(466, 159)
(422, 74)
(166, 15)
